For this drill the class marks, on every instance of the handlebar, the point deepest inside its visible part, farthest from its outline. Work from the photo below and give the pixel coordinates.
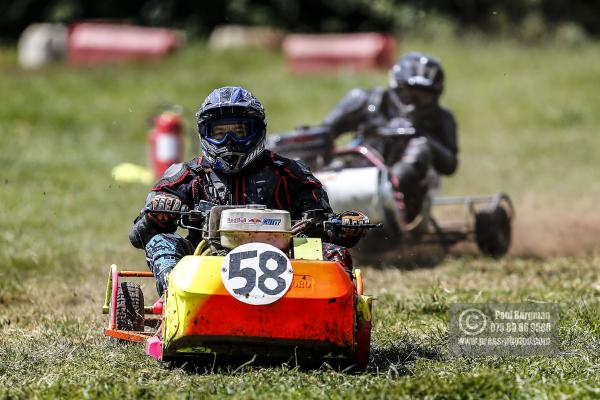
(338, 222)
(305, 224)
(401, 131)
(298, 227)
(173, 212)
(191, 214)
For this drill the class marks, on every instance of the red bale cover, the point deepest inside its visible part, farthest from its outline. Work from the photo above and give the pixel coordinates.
(98, 42)
(359, 51)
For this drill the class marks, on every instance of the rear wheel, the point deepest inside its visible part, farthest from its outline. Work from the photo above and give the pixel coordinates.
(364, 317)
(363, 344)
(493, 231)
(130, 307)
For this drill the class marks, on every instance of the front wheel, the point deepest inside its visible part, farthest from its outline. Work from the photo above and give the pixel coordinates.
(493, 231)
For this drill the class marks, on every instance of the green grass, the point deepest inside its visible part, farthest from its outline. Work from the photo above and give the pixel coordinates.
(527, 117)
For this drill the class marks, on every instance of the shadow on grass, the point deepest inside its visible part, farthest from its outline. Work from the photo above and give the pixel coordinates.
(396, 358)
(233, 365)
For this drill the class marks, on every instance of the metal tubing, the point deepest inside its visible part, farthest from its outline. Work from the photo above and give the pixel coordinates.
(370, 154)
(106, 308)
(493, 201)
(113, 297)
(107, 295)
(131, 336)
(449, 200)
(136, 274)
(503, 197)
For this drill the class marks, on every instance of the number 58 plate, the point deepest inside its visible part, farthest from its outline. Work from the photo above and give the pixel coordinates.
(257, 273)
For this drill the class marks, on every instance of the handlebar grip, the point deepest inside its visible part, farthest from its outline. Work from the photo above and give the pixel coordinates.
(357, 226)
(178, 212)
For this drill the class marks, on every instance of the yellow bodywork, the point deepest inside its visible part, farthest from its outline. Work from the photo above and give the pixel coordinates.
(190, 284)
(363, 307)
(308, 249)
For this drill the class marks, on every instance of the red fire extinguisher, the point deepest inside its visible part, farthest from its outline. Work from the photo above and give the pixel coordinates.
(166, 142)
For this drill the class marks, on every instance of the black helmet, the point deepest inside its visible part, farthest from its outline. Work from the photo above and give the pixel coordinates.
(419, 71)
(232, 128)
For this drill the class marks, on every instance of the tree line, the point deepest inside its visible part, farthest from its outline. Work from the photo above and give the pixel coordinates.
(526, 18)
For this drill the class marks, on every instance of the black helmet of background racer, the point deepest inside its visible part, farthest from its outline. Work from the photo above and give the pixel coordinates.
(418, 79)
(232, 128)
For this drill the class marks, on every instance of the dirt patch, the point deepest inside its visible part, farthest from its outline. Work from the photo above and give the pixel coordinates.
(555, 231)
(546, 228)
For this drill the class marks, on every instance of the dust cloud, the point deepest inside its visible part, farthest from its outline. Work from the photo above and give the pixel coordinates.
(555, 231)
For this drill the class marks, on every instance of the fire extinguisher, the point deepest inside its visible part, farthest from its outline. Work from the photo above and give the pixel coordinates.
(166, 142)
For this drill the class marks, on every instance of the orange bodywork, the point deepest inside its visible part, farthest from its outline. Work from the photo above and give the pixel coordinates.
(130, 336)
(316, 314)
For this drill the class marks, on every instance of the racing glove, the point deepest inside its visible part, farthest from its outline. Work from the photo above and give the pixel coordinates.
(148, 224)
(165, 202)
(348, 233)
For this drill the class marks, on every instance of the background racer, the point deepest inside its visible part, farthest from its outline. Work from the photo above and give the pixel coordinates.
(416, 83)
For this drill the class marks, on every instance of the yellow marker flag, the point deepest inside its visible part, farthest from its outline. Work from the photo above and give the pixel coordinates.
(131, 173)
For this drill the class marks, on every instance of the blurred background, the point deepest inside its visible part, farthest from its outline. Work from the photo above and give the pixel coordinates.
(520, 79)
(524, 19)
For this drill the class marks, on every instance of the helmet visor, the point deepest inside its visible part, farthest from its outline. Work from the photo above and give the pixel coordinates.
(417, 96)
(238, 130)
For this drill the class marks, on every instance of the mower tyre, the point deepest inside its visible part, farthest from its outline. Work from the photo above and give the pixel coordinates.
(363, 345)
(493, 231)
(130, 307)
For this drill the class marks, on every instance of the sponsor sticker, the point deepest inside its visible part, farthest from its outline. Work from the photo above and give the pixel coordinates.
(254, 221)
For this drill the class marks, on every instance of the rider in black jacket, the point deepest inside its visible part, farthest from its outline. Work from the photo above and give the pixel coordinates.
(415, 85)
(235, 169)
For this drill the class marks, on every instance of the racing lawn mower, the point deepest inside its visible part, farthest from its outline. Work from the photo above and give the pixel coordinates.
(357, 177)
(256, 286)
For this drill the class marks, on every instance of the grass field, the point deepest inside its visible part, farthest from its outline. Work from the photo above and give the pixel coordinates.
(527, 116)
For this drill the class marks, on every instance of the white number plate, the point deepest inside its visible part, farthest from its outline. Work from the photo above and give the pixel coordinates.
(257, 273)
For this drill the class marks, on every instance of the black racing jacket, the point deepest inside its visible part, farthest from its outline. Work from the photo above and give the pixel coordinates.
(364, 110)
(274, 181)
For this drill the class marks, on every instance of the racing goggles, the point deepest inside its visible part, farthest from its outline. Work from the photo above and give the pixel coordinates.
(419, 97)
(240, 130)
